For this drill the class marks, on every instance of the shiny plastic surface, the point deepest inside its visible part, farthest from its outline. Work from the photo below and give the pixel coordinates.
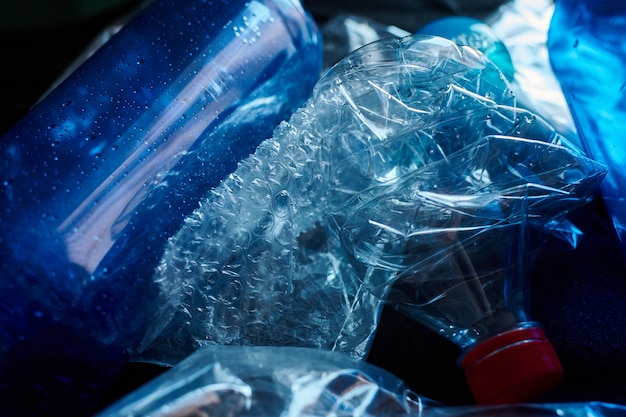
(457, 181)
(402, 180)
(99, 175)
(220, 381)
(523, 27)
(454, 237)
(587, 48)
(238, 381)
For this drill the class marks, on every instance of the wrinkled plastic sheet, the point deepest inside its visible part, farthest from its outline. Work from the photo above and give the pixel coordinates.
(522, 26)
(251, 381)
(404, 145)
(234, 381)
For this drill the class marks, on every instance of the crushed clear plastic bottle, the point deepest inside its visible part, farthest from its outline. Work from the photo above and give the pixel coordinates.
(406, 167)
(262, 381)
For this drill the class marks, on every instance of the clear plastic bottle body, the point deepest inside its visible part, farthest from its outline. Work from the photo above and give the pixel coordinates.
(101, 172)
(588, 55)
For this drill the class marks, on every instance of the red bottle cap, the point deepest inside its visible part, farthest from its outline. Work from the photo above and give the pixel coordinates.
(512, 367)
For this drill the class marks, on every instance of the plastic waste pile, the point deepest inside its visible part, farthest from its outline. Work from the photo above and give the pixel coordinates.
(406, 179)
(409, 178)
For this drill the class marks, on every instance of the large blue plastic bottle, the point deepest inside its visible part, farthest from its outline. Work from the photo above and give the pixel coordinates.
(97, 177)
(587, 46)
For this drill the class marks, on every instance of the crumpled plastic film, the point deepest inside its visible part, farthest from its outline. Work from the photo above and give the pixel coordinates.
(273, 255)
(444, 233)
(259, 381)
(449, 243)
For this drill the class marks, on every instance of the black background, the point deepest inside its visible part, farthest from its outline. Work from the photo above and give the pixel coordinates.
(579, 295)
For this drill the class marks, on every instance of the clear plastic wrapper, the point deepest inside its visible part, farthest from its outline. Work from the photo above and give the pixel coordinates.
(238, 381)
(402, 140)
(220, 381)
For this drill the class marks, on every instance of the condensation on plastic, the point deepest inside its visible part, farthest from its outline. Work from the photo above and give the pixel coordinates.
(407, 156)
(249, 381)
(96, 43)
(523, 27)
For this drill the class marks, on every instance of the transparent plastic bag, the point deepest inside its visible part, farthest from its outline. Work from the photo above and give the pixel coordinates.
(220, 381)
(238, 381)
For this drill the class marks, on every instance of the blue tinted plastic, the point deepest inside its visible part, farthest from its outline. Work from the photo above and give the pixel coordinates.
(97, 177)
(587, 45)
(252, 381)
(407, 178)
(263, 381)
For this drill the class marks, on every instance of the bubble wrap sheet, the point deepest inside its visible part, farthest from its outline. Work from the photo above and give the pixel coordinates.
(274, 255)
